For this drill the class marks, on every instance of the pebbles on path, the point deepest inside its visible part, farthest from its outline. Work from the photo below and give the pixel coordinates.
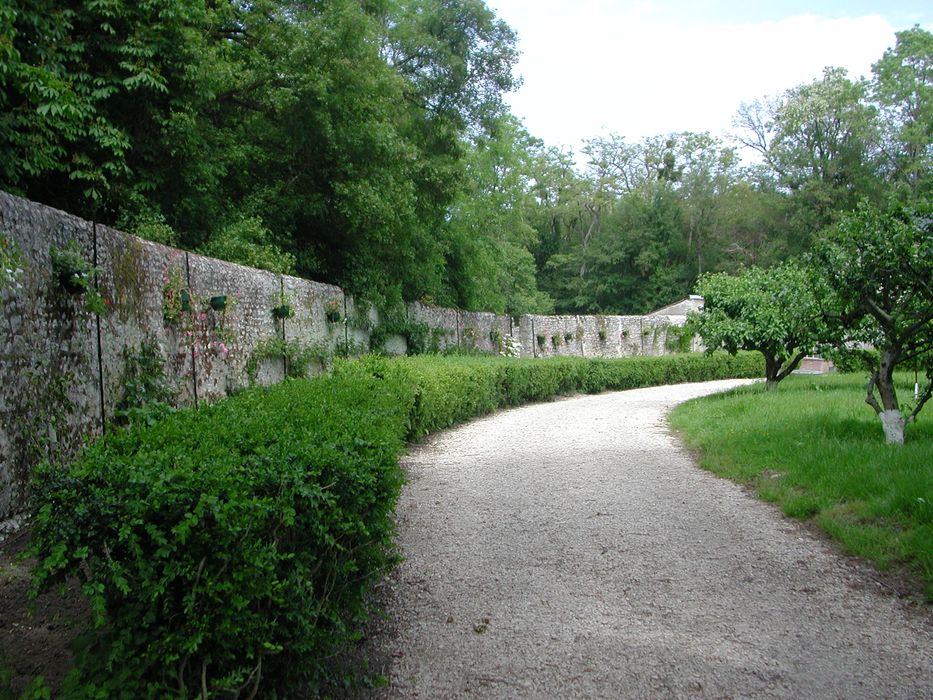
(573, 549)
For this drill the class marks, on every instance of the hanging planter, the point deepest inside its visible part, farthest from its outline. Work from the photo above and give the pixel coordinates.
(282, 312)
(71, 268)
(72, 282)
(185, 300)
(332, 311)
(219, 303)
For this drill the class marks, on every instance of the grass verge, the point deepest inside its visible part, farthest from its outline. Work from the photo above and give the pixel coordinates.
(817, 451)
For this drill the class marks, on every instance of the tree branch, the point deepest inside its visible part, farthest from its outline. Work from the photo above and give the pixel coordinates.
(878, 311)
(923, 399)
(792, 366)
(870, 391)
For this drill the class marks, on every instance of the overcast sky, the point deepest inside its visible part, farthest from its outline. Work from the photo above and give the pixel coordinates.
(641, 68)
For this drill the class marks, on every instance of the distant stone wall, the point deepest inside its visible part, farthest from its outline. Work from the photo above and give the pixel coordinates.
(597, 336)
(62, 368)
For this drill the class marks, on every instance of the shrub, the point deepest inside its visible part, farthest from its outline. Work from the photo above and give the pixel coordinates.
(233, 546)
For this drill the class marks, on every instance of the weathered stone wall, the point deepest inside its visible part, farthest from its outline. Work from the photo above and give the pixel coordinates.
(62, 367)
(596, 336)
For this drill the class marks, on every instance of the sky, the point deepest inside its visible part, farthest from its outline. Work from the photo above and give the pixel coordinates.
(641, 68)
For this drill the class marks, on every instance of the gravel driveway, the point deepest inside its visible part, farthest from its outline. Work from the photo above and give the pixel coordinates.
(573, 550)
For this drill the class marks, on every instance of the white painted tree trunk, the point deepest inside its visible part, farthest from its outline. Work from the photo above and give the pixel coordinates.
(893, 424)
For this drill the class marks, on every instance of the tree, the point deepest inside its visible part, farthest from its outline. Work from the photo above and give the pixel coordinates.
(821, 141)
(490, 239)
(77, 81)
(903, 88)
(879, 267)
(773, 311)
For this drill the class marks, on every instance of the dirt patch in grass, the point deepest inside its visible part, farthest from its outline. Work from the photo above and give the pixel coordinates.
(34, 639)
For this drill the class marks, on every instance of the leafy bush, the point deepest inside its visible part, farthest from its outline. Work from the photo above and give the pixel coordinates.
(248, 242)
(146, 396)
(230, 546)
(233, 546)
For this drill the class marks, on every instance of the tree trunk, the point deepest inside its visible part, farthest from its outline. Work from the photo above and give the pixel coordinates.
(772, 369)
(893, 424)
(892, 420)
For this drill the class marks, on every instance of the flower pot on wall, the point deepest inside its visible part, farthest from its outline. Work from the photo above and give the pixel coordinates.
(282, 312)
(70, 281)
(219, 303)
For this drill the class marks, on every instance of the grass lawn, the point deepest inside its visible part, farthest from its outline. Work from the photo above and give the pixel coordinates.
(814, 448)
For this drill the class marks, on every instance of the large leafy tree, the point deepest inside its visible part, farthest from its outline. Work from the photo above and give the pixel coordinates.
(879, 267)
(774, 311)
(79, 82)
(821, 141)
(336, 128)
(490, 237)
(903, 88)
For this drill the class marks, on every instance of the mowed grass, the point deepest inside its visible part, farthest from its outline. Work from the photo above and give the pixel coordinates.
(814, 448)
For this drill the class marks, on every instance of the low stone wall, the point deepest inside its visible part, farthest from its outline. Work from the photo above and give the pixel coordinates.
(62, 368)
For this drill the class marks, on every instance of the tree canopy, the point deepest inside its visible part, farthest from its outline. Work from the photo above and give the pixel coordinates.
(368, 143)
(879, 267)
(775, 312)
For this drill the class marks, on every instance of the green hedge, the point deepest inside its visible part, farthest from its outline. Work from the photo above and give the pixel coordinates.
(231, 548)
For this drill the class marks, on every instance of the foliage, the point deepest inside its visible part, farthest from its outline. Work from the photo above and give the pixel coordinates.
(283, 307)
(153, 227)
(368, 144)
(419, 337)
(511, 346)
(247, 242)
(146, 396)
(11, 265)
(76, 276)
(230, 548)
(874, 501)
(296, 357)
(904, 92)
(679, 338)
(772, 311)
(333, 311)
(176, 297)
(80, 82)
(879, 267)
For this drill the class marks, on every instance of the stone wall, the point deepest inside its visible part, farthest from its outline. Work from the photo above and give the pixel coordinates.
(62, 367)
(597, 336)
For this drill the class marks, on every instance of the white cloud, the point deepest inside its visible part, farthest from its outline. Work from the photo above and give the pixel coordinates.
(595, 66)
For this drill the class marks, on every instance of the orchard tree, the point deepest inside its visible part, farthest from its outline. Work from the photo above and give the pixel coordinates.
(773, 311)
(879, 267)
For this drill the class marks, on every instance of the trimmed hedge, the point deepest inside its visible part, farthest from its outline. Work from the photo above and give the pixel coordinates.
(230, 550)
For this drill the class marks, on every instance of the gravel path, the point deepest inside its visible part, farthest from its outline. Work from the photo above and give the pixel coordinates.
(574, 550)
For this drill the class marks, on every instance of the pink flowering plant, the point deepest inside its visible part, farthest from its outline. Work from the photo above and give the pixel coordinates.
(199, 329)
